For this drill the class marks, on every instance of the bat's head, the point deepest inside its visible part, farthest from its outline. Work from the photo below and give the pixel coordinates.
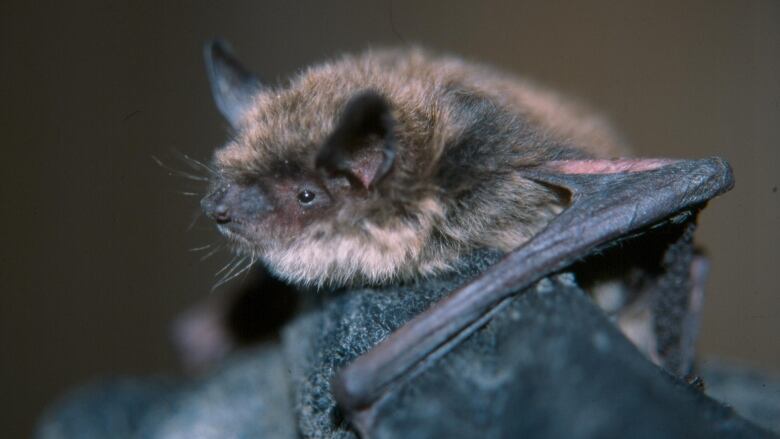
(313, 182)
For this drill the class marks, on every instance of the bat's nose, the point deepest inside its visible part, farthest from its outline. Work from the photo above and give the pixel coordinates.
(221, 214)
(236, 203)
(217, 211)
(215, 207)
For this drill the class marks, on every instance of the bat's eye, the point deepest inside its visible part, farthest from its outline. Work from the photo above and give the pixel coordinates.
(306, 196)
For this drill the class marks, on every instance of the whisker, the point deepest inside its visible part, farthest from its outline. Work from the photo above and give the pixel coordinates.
(211, 253)
(229, 273)
(233, 268)
(194, 221)
(203, 247)
(252, 261)
(235, 258)
(235, 275)
(197, 164)
(177, 172)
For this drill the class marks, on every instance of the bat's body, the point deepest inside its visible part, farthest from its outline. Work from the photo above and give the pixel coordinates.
(390, 166)
(459, 135)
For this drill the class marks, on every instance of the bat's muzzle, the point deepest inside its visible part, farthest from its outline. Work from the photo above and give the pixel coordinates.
(232, 202)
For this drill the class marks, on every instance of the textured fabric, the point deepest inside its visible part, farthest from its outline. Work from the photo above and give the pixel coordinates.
(340, 327)
(548, 365)
(754, 394)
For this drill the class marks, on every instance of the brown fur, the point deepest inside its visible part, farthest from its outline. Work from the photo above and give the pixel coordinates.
(462, 131)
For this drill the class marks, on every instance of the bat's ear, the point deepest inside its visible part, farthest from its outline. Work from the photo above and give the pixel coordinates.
(362, 146)
(232, 85)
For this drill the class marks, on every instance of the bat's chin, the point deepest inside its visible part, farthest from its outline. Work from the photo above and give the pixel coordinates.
(236, 234)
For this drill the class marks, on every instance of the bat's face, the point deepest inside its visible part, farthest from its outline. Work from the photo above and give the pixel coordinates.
(276, 204)
(305, 183)
(263, 210)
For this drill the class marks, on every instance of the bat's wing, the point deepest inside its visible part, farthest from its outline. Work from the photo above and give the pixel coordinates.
(609, 200)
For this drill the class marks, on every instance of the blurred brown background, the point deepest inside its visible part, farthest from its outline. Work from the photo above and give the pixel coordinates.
(94, 260)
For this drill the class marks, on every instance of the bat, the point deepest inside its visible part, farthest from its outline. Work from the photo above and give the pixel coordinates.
(389, 166)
